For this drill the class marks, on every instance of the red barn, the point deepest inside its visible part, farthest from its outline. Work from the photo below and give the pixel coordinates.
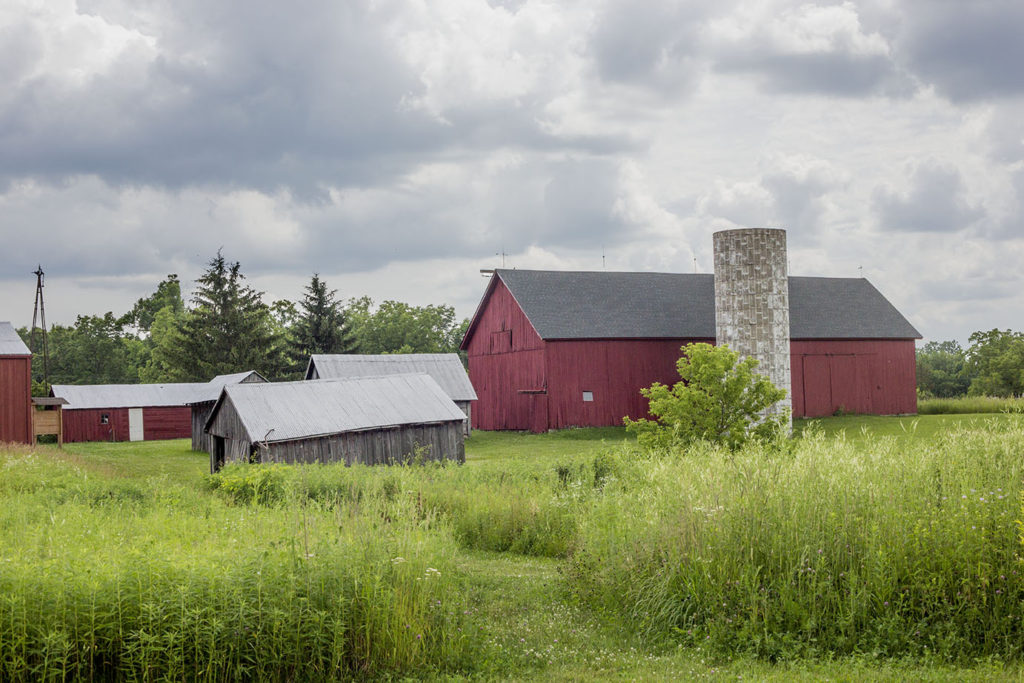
(136, 412)
(15, 387)
(549, 349)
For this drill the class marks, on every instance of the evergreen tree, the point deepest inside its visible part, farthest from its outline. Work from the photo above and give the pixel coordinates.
(321, 325)
(229, 329)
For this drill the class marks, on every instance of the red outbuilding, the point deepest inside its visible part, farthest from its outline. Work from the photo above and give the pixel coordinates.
(135, 412)
(550, 349)
(15, 387)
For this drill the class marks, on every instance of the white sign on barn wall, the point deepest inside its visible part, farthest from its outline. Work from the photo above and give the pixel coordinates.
(135, 424)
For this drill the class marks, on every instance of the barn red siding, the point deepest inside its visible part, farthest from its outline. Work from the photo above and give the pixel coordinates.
(171, 422)
(16, 399)
(873, 376)
(525, 382)
(86, 425)
(613, 371)
(506, 367)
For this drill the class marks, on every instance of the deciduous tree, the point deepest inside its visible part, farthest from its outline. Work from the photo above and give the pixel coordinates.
(396, 327)
(940, 370)
(995, 361)
(720, 399)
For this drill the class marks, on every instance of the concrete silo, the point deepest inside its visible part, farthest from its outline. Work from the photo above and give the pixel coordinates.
(752, 301)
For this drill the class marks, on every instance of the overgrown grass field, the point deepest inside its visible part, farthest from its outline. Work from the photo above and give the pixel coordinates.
(885, 548)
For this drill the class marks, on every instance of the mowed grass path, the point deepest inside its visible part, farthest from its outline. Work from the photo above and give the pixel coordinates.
(523, 603)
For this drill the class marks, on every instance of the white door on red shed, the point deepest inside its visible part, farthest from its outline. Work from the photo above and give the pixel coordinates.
(135, 424)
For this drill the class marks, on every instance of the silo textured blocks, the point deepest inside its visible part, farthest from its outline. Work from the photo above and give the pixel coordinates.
(752, 301)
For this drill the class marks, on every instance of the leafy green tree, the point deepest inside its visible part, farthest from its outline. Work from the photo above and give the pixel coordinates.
(995, 361)
(720, 400)
(321, 325)
(96, 350)
(940, 369)
(396, 327)
(229, 329)
(167, 295)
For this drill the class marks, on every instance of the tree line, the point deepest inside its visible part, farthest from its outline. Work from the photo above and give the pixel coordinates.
(993, 365)
(228, 327)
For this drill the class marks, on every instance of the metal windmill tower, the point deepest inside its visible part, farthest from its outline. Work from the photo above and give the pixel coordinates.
(39, 313)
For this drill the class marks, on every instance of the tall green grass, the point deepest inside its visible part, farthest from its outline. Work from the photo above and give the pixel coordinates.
(970, 404)
(883, 548)
(151, 581)
(828, 546)
(529, 508)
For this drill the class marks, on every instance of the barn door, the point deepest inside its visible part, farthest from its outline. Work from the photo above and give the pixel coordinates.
(538, 413)
(817, 386)
(135, 424)
(847, 395)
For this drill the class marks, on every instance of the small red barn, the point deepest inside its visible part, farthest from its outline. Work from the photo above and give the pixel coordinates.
(550, 349)
(15, 387)
(137, 412)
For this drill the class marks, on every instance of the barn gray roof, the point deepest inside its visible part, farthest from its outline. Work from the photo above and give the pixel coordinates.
(445, 368)
(92, 396)
(593, 305)
(299, 410)
(10, 341)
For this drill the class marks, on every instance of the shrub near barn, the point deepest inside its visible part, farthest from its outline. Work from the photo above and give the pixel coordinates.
(720, 399)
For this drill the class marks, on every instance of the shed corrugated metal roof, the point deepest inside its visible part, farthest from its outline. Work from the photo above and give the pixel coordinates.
(10, 342)
(211, 390)
(298, 410)
(92, 396)
(596, 305)
(446, 369)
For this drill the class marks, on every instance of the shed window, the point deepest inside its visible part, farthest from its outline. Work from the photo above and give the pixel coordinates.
(588, 396)
(104, 418)
(501, 342)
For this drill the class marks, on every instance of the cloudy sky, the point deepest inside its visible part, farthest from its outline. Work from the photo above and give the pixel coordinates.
(399, 146)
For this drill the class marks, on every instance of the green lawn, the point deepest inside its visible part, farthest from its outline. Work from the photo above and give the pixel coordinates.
(532, 628)
(174, 459)
(908, 427)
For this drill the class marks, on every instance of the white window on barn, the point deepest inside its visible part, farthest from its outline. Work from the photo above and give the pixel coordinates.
(588, 396)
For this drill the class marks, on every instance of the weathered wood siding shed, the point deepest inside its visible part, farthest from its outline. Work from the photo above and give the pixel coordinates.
(15, 387)
(202, 406)
(445, 368)
(371, 420)
(549, 350)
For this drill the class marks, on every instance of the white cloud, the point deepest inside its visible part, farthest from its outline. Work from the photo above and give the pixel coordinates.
(396, 147)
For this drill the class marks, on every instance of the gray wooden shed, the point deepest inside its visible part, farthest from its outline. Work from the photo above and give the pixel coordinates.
(446, 369)
(369, 420)
(206, 397)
